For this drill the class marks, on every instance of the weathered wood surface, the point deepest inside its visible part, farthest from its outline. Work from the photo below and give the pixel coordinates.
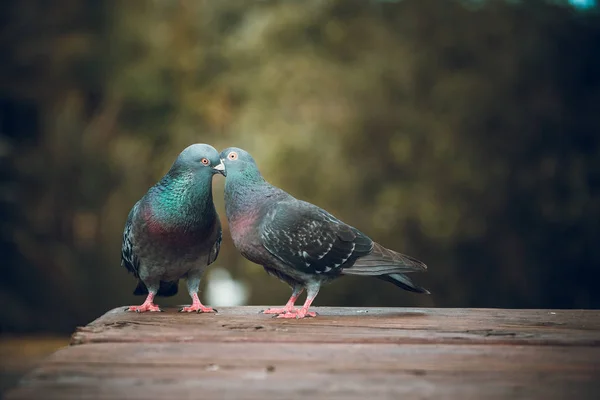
(347, 353)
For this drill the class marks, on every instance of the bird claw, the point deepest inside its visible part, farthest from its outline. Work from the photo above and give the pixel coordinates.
(144, 308)
(199, 309)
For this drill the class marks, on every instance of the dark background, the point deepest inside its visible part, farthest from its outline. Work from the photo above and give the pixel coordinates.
(465, 134)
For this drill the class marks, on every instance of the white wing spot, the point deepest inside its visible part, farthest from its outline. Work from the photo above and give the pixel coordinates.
(349, 254)
(327, 251)
(304, 254)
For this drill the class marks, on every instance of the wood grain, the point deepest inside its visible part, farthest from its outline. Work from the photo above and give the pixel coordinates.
(344, 353)
(352, 325)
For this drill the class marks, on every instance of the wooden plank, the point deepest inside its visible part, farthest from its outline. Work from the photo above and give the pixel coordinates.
(313, 370)
(349, 353)
(352, 325)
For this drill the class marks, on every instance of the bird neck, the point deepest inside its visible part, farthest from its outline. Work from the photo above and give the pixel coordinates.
(184, 201)
(244, 192)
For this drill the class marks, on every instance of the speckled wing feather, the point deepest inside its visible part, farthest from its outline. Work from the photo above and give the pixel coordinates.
(129, 259)
(309, 239)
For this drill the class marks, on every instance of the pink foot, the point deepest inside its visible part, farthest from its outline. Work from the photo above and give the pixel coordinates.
(199, 308)
(282, 310)
(299, 314)
(145, 307)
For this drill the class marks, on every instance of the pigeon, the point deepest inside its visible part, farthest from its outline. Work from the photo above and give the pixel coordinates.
(298, 242)
(174, 231)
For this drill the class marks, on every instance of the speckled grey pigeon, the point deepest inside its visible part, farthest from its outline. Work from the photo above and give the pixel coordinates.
(174, 231)
(298, 242)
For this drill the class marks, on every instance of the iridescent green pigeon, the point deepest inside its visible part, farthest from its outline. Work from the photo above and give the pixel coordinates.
(174, 231)
(298, 242)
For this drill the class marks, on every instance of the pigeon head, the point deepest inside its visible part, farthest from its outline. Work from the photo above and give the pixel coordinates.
(244, 184)
(199, 158)
(183, 197)
(239, 162)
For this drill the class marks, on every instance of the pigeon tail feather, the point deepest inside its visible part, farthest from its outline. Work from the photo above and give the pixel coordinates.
(404, 282)
(382, 261)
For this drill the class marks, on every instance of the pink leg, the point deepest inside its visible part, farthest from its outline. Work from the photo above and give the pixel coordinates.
(303, 312)
(197, 306)
(289, 307)
(148, 305)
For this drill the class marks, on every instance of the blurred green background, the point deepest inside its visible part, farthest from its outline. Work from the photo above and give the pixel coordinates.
(465, 134)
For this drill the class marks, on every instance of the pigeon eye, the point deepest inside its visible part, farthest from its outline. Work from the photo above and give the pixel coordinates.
(232, 156)
(205, 161)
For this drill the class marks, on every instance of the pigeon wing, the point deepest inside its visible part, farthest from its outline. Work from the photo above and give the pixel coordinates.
(311, 240)
(129, 259)
(214, 251)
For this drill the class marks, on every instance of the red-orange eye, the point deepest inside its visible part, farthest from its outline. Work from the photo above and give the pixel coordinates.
(205, 161)
(232, 156)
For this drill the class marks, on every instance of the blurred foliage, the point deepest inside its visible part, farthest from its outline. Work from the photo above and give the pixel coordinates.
(462, 133)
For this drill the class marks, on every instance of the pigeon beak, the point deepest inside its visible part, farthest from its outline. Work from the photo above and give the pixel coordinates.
(220, 168)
